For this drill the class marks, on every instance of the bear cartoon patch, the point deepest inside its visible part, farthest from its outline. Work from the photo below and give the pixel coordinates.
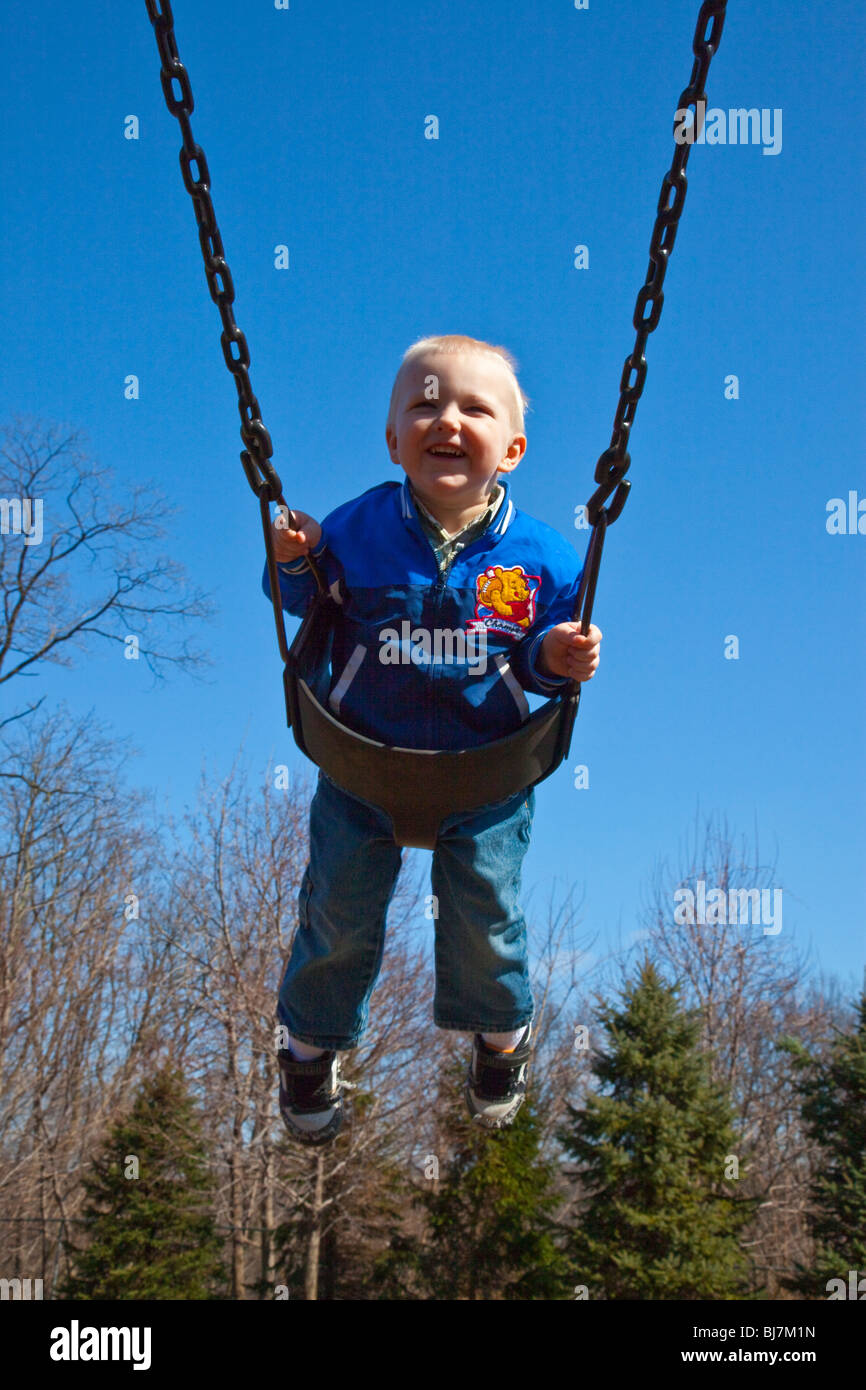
(505, 600)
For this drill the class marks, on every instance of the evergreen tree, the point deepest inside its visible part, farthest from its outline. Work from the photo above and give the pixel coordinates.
(833, 1094)
(659, 1222)
(489, 1233)
(151, 1233)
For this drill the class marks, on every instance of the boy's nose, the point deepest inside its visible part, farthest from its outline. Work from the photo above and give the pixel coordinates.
(446, 432)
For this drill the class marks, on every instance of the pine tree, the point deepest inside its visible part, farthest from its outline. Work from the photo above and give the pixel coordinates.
(151, 1234)
(489, 1233)
(833, 1094)
(659, 1222)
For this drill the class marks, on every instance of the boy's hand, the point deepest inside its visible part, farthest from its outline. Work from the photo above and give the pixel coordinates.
(290, 545)
(564, 652)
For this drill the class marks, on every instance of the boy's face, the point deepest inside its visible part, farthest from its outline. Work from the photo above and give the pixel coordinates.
(466, 408)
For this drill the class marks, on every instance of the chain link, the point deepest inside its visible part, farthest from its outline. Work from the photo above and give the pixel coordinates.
(614, 463)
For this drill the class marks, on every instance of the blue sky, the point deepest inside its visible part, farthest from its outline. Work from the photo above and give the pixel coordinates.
(554, 130)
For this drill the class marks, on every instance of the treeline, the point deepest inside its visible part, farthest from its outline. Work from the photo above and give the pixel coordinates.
(697, 1117)
(696, 1127)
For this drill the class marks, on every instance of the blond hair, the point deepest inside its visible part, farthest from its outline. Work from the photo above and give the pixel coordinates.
(453, 343)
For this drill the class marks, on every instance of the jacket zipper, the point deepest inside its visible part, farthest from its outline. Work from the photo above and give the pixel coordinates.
(438, 597)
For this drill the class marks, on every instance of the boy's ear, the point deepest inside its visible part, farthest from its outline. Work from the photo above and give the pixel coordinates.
(514, 453)
(391, 441)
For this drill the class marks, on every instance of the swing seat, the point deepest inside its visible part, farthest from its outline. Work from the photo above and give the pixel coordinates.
(416, 788)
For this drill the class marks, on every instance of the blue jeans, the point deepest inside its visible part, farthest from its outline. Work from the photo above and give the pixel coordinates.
(482, 974)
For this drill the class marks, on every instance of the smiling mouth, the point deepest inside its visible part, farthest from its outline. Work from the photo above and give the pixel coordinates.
(445, 454)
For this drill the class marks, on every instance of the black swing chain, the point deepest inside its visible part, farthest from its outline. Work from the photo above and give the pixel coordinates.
(614, 463)
(255, 458)
(219, 279)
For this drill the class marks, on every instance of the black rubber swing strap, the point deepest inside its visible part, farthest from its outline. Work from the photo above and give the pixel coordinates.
(273, 573)
(589, 578)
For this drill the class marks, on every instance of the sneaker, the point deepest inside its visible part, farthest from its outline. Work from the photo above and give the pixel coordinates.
(496, 1082)
(311, 1102)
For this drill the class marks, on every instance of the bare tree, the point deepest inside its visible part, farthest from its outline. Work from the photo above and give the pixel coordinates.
(81, 1007)
(76, 566)
(562, 974)
(233, 886)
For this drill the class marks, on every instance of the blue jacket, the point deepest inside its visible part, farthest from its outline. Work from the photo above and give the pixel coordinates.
(423, 660)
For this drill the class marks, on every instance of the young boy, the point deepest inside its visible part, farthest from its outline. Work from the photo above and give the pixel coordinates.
(448, 551)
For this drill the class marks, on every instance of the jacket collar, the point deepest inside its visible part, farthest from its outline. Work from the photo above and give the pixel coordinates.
(500, 524)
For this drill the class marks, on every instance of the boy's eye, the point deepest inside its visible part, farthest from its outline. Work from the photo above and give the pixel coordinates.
(431, 405)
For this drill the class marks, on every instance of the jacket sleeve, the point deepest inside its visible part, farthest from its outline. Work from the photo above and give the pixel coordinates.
(297, 585)
(526, 654)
